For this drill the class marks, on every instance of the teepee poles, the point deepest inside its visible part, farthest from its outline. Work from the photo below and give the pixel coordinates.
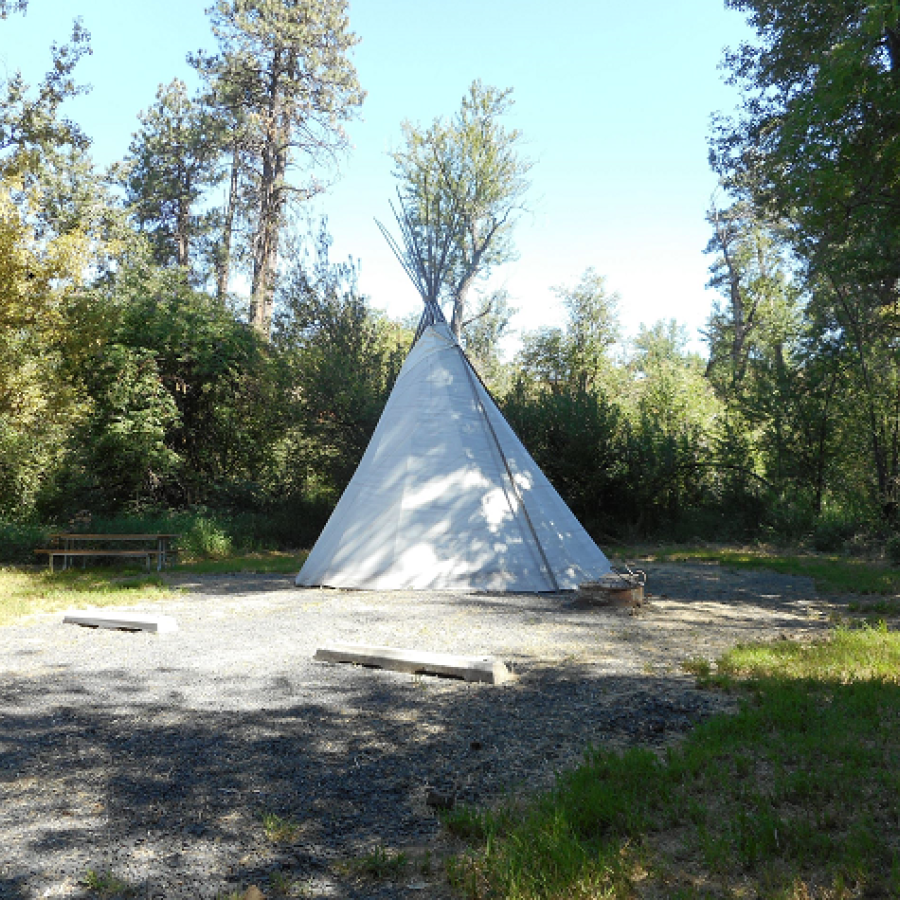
(425, 250)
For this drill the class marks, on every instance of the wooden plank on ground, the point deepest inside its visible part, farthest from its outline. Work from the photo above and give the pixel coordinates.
(133, 621)
(416, 662)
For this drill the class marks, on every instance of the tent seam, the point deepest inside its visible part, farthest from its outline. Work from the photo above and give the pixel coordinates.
(545, 562)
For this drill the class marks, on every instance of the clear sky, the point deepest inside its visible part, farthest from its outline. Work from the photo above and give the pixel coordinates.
(613, 99)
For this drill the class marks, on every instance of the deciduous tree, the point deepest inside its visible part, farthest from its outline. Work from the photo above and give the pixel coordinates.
(815, 146)
(462, 182)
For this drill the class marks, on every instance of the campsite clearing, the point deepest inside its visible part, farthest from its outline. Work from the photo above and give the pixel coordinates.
(159, 760)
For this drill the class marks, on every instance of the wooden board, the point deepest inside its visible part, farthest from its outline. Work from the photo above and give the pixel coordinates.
(483, 668)
(133, 621)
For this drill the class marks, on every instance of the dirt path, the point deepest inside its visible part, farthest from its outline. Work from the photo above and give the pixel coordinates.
(158, 757)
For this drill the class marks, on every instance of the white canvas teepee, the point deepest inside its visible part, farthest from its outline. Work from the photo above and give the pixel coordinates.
(447, 498)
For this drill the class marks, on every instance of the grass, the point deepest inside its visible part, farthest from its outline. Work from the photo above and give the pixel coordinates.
(831, 572)
(379, 864)
(27, 591)
(797, 796)
(106, 885)
(24, 592)
(283, 885)
(278, 829)
(272, 562)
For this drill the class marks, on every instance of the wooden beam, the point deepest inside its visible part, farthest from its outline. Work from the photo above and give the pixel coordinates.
(469, 668)
(131, 621)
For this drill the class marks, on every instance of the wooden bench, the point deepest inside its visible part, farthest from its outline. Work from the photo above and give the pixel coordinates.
(147, 555)
(67, 547)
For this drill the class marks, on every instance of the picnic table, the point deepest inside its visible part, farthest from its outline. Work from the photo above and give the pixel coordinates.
(69, 545)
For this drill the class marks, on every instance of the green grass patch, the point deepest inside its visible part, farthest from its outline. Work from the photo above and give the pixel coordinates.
(795, 796)
(26, 592)
(271, 562)
(830, 572)
(106, 885)
(881, 608)
(279, 829)
(379, 864)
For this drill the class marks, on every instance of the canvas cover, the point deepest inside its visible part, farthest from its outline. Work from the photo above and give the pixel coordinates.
(433, 506)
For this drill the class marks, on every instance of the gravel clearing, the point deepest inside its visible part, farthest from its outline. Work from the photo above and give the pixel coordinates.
(156, 757)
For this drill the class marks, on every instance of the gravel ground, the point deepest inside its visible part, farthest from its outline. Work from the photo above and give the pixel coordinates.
(157, 757)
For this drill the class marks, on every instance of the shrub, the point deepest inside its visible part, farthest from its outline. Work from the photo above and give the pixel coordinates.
(832, 532)
(892, 549)
(18, 541)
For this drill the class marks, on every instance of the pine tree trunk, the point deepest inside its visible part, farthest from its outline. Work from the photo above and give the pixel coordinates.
(223, 261)
(182, 246)
(271, 202)
(265, 249)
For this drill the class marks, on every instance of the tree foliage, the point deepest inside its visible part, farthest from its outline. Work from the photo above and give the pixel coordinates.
(461, 184)
(284, 70)
(127, 386)
(343, 359)
(815, 148)
(32, 126)
(172, 161)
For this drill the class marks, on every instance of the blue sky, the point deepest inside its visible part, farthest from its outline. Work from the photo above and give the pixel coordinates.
(613, 100)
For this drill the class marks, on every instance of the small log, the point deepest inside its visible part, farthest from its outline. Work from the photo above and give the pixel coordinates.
(418, 662)
(128, 621)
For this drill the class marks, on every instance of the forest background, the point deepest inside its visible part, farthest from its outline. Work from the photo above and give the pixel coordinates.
(167, 359)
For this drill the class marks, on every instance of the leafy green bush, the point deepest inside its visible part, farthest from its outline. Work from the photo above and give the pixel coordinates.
(206, 533)
(833, 531)
(206, 537)
(18, 541)
(892, 549)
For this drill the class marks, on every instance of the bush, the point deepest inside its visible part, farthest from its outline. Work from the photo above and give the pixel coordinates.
(292, 524)
(789, 520)
(892, 549)
(18, 541)
(206, 538)
(833, 531)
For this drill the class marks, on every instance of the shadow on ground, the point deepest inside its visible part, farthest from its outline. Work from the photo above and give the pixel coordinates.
(100, 772)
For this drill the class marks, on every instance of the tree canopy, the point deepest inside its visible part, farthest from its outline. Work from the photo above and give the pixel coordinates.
(461, 184)
(284, 68)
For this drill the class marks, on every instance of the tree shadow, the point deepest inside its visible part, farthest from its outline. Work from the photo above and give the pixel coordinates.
(127, 770)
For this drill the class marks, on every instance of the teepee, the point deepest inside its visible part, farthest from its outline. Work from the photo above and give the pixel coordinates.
(446, 497)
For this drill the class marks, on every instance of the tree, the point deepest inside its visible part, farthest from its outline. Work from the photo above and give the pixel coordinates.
(37, 399)
(31, 124)
(284, 65)
(225, 248)
(343, 359)
(670, 388)
(815, 147)
(579, 355)
(12, 6)
(172, 160)
(592, 327)
(119, 448)
(461, 184)
(481, 339)
(761, 296)
(816, 142)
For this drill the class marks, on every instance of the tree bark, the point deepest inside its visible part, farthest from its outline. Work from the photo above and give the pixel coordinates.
(223, 261)
(182, 241)
(271, 202)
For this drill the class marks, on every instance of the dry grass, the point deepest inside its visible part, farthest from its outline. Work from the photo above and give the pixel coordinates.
(25, 592)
